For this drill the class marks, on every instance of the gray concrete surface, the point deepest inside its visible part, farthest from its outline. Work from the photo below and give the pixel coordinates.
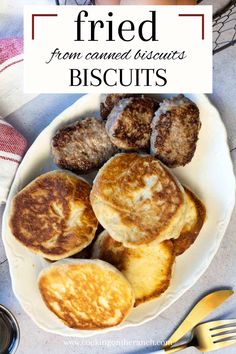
(30, 120)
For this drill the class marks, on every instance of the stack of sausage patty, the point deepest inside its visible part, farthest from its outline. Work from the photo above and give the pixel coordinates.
(147, 217)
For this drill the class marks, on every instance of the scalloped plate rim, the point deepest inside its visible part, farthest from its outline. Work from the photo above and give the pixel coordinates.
(171, 297)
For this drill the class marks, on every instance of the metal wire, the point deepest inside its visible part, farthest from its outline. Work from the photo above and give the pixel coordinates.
(224, 23)
(224, 27)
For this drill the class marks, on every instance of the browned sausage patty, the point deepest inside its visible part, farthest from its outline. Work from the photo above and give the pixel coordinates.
(83, 146)
(128, 124)
(175, 130)
(109, 101)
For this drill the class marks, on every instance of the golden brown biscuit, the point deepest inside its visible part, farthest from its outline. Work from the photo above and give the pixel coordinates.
(52, 216)
(194, 220)
(148, 268)
(137, 200)
(175, 129)
(128, 124)
(86, 294)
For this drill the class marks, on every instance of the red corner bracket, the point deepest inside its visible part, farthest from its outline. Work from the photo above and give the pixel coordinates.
(39, 15)
(203, 21)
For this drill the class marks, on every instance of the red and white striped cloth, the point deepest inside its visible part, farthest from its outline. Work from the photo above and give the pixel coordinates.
(12, 148)
(11, 52)
(12, 144)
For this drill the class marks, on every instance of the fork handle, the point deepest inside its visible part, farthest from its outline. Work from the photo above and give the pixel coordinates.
(171, 350)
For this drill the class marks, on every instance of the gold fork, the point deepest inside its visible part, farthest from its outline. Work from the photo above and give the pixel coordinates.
(208, 336)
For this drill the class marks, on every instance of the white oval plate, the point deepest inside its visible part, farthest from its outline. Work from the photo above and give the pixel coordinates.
(210, 175)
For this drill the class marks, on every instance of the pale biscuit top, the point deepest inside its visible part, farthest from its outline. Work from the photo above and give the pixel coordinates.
(137, 200)
(148, 267)
(86, 294)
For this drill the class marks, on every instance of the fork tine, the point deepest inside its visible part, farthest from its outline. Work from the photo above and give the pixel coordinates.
(215, 332)
(215, 335)
(224, 337)
(223, 344)
(219, 324)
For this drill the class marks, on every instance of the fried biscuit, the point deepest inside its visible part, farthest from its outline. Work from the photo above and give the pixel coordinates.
(148, 268)
(83, 146)
(52, 216)
(86, 294)
(128, 124)
(175, 129)
(194, 220)
(137, 200)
